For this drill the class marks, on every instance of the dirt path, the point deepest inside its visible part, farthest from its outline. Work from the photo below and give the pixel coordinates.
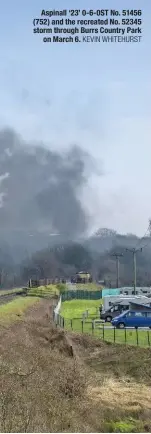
(46, 387)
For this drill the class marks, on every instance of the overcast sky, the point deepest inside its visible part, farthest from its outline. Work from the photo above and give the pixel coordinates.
(97, 96)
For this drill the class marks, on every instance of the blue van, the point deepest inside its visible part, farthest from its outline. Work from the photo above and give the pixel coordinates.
(133, 319)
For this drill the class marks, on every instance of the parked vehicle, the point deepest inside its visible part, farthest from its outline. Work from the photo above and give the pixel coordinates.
(129, 290)
(110, 300)
(114, 311)
(133, 319)
(123, 305)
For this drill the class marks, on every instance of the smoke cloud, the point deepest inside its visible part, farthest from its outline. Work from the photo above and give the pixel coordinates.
(41, 189)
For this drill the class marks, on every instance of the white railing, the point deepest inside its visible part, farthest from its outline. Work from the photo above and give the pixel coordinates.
(57, 309)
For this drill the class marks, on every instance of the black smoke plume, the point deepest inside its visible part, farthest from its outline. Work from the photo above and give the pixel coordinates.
(41, 190)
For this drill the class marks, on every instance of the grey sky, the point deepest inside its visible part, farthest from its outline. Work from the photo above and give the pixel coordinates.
(96, 96)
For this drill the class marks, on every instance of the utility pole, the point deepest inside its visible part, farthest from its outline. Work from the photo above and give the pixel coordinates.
(117, 256)
(134, 251)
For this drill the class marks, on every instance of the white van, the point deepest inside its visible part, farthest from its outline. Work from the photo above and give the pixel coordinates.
(109, 300)
(129, 290)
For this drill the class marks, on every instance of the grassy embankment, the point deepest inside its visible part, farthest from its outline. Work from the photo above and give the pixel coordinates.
(14, 310)
(10, 291)
(41, 290)
(98, 388)
(52, 289)
(48, 290)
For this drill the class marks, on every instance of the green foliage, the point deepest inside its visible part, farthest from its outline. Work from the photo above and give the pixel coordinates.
(88, 286)
(44, 291)
(14, 310)
(66, 259)
(128, 426)
(61, 287)
(78, 256)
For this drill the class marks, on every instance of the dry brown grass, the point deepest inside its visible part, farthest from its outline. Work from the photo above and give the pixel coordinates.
(54, 381)
(115, 394)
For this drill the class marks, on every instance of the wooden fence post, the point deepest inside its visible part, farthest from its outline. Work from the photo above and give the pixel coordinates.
(114, 334)
(137, 336)
(92, 327)
(148, 338)
(103, 332)
(82, 325)
(125, 336)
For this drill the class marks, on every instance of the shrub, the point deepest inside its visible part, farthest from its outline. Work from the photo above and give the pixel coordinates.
(61, 287)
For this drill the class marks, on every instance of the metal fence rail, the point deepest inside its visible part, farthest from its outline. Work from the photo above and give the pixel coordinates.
(81, 294)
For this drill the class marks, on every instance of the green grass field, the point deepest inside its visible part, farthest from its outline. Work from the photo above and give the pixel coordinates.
(15, 309)
(75, 308)
(72, 312)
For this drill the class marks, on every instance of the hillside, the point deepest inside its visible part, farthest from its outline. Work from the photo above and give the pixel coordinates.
(55, 381)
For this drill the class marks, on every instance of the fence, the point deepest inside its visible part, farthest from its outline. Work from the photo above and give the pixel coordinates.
(89, 295)
(57, 309)
(127, 336)
(43, 282)
(82, 295)
(110, 291)
(41, 293)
